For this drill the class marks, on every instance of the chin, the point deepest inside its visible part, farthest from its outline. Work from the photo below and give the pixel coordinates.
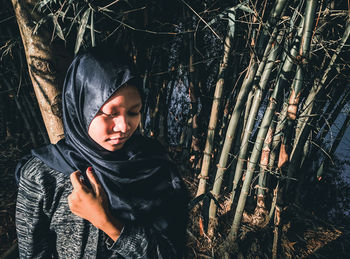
(114, 147)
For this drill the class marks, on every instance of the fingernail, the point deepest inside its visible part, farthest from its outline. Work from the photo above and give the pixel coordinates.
(89, 169)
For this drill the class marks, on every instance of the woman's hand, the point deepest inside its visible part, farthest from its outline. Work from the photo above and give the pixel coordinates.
(92, 204)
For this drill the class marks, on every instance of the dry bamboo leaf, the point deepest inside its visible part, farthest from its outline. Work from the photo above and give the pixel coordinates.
(58, 28)
(92, 30)
(82, 28)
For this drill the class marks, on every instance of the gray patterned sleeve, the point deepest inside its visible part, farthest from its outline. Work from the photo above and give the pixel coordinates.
(33, 213)
(132, 243)
(137, 241)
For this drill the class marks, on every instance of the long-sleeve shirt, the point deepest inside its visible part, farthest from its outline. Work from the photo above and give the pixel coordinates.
(46, 228)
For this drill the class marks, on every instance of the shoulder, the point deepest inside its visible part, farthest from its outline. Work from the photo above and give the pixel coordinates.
(37, 172)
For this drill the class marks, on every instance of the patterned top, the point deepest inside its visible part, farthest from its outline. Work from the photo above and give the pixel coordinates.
(46, 228)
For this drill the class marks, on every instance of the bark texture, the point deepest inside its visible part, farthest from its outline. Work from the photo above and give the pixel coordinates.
(47, 63)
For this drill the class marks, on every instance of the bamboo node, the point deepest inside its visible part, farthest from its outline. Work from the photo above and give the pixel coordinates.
(206, 153)
(222, 168)
(216, 196)
(260, 187)
(200, 176)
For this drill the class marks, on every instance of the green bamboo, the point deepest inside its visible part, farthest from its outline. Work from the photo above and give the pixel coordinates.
(297, 85)
(281, 121)
(248, 105)
(213, 119)
(264, 161)
(193, 97)
(274, 16)
(236, 147)
(283, 78)
(231, 131)
(254, 158)
(269, 58)
(263, 74)
(301, 179)
(303, 126)
(330, 120)
(335, 144)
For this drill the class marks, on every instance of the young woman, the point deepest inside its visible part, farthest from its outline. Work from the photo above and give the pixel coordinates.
(104, 191)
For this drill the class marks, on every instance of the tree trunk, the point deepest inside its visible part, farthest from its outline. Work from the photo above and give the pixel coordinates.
(47, 63)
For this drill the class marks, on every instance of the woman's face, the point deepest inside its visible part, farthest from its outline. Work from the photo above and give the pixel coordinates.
(117, 119)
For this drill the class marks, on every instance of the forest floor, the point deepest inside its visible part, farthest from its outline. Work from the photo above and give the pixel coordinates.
(302, 234)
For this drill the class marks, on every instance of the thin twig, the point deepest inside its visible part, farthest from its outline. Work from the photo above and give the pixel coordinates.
(6, 19)
(147, 31)
(202, 20)
(105, 7)
(324, 151)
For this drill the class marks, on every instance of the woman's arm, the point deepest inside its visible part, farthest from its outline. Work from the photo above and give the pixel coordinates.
(140, 241)
(32, 216)
(92, 204)
(129, 241)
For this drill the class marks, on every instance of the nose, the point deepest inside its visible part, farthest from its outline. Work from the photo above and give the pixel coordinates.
(120, 124)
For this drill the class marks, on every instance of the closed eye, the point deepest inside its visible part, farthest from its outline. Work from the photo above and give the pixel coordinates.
(106, 114)
(133, 113)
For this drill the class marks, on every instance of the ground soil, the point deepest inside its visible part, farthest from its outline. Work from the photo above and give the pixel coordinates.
(302, 234)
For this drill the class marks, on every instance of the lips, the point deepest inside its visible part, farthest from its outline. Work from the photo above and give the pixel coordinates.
(116, 140)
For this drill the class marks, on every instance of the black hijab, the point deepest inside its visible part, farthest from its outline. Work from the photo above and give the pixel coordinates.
(140, 180)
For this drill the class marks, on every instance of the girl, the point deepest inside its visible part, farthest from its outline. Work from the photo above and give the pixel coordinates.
(104, 191)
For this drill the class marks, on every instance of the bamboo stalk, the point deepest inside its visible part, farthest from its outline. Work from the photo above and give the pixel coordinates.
(278, 136)
(230, 136)
(335, 94)
(213, 119)
(333, 116)
(264, 160)
(297, 85)
(248, 105)
(193, 99)
(320, 171)
(237, 146)
(303, 126)
(155, 98)
(340, 134)
(274, 16)
(276, 232)
(263, 129)
(145, 104)
(263, 74)
(302, 176)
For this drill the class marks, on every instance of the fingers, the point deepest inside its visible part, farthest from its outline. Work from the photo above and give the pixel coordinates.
(93, 180)
(78, 185)
(75, 180)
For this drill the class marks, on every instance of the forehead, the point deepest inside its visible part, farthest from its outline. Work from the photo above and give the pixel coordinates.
(126, 96)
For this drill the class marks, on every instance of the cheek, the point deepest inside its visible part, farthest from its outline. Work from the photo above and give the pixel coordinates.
(97, 128)
(135, 122)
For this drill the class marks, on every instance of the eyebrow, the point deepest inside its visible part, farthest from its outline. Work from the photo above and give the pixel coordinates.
(136, 105)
